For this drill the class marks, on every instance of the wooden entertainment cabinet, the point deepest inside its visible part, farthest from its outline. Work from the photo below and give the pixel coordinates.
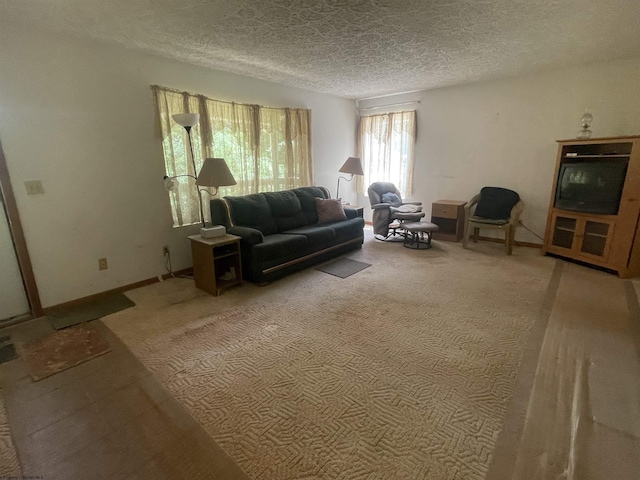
(611, 241)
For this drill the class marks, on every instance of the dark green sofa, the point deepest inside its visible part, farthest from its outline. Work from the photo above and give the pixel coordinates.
(280, 231)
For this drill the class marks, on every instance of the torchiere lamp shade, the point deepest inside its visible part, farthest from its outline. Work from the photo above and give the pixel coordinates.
(215, 173)
(186, 119)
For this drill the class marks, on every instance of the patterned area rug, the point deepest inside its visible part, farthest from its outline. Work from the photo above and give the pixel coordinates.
(9, 465)
(403, 373)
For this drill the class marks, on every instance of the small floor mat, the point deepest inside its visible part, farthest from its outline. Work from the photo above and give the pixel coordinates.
(61, 350)
(343, 267)
(89, 311)
(7, 349)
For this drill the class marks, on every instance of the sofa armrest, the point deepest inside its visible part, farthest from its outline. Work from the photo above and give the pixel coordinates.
(350, 212)
(250, 236)
(411, 203)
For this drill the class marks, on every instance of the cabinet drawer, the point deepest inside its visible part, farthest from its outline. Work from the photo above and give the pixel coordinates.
(444, 211)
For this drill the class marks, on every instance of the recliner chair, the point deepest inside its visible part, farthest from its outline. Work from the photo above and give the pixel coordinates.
(388, 207)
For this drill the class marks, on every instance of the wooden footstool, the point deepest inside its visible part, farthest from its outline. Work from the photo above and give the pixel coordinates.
(414, 233)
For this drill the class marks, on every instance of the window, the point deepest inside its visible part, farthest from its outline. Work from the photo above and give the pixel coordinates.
(386, 147)
(266, 149)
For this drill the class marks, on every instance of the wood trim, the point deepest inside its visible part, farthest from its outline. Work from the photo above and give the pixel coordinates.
(17, 234)
(598, 140)
(515, 242)
(124, 288)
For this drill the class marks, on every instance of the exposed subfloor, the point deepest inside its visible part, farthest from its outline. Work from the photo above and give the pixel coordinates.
(106, 418)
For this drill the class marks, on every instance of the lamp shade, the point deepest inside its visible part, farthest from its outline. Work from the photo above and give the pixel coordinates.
(353, 166)
(186, 119)
(215, 173)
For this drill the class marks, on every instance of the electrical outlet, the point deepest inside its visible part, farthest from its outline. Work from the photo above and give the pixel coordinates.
(102, 263)
(34, 187)
(165, 250)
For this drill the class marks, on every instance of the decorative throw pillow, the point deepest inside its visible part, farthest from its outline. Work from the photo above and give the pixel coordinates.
(392, 199)
(330, 210)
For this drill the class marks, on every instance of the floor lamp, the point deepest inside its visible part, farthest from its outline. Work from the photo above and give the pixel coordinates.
(188, 120)
(214, 172)
(352, 166)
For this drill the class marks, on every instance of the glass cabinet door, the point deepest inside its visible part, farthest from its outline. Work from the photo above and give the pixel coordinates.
(594, 241)
(564, 231)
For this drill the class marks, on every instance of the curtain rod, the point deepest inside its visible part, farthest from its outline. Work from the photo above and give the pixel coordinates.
(199, 95)
(389, 105)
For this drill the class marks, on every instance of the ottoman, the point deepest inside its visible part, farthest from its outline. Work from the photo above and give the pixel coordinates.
(414, 234)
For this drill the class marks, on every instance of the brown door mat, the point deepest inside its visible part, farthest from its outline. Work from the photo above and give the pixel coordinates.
(61, 350)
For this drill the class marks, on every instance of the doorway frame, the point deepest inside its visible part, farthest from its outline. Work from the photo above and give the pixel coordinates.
(19, 241)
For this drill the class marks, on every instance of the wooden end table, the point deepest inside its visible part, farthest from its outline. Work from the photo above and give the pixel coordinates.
(216, 262)
(449, 216)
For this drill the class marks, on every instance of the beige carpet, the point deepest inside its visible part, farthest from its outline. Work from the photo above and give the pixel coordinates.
(9, 465)
(402, 371)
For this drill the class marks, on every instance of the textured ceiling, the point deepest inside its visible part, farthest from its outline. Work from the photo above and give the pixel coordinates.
(354, 48)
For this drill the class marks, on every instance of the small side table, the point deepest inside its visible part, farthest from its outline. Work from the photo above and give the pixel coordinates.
(216, 263)
(449, 216)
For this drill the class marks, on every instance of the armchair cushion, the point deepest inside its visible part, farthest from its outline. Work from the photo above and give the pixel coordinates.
(496, 203)
(406, 208)
(489, 221)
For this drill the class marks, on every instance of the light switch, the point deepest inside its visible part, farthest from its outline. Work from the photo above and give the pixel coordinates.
(34, 187)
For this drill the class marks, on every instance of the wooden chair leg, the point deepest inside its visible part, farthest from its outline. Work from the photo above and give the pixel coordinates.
(476, 232)
(465, 235)
(508, 239)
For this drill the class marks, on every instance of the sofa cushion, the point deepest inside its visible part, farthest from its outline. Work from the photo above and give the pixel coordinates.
(329, 210)
(317, 236)
(278, 247)
(348, 228)
(286, 210)
(307, 197)
(252, 211)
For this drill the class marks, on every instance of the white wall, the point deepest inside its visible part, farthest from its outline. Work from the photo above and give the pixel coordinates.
(79, 116)
(13, 298)
(503, 133)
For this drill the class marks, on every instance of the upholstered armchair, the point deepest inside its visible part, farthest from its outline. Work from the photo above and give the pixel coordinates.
(493, 207)
(388, 207)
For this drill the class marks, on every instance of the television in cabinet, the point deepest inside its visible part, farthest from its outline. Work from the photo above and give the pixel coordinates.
(591, 186)
(595, 204)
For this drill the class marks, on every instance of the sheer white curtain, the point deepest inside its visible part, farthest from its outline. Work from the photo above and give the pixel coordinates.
(386, 143)
(266, 149)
